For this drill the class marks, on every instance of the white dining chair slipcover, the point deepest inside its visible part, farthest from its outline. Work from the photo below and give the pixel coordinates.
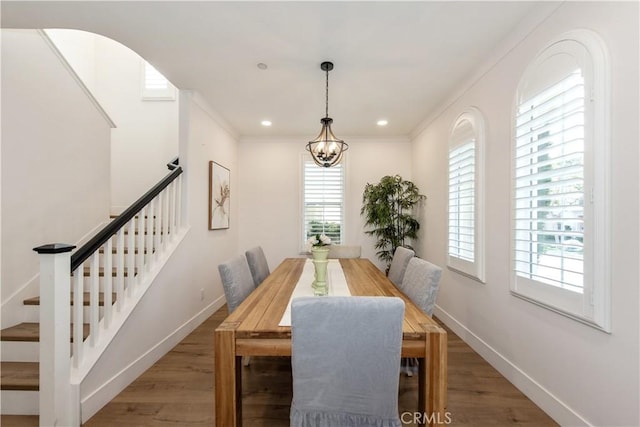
(257, 264)
(236, 281)
(346, 361)
(420, 283)
(399, 263)
(344, 251)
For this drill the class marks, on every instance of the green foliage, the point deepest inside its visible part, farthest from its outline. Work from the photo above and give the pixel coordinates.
(388, 209)
(331, 229)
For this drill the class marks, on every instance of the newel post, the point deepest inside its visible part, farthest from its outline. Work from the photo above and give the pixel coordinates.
(55, 335)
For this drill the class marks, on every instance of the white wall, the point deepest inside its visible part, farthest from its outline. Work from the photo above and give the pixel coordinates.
(146, 136)
(270, 179)
(55, 161)
(577, 374)
(173, 307)
(79, 50)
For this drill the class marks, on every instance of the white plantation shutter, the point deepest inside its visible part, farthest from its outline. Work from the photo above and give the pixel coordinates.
(461, 201)
(323, 200)
(155, 86)
(153, 79)
(560, 175)
(549, 185)
(465, 250)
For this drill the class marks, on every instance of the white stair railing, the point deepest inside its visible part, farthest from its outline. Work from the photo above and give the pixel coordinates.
(105, 278)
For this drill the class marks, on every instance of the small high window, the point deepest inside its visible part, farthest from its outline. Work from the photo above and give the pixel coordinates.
(155, 86)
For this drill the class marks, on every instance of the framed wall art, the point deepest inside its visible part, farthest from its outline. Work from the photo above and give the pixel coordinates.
(219, 193)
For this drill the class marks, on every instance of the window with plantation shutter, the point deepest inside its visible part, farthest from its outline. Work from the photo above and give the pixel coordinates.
(461, 201)
(323, 201)
(153, 79)
(549, 185)
(560, 174)
(155, 86)
(465, 228)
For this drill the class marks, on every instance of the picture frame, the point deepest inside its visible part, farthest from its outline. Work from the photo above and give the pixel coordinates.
(219, 196)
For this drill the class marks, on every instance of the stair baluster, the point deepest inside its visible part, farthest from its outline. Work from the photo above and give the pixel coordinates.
(108, 282)
(120, 270)
(131, 250)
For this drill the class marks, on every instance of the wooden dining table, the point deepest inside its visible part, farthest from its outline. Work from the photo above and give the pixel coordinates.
(253, 330)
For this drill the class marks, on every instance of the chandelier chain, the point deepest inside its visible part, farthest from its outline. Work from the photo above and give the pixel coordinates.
(326, 96)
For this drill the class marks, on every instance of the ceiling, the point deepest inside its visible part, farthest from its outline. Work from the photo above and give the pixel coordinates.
(393, 60)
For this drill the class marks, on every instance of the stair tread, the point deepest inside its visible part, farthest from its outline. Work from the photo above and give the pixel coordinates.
(19, 420)
(30, 332)
(114, 271)
(86, 296)
(20, 376)
(126, 232)
(114, 250)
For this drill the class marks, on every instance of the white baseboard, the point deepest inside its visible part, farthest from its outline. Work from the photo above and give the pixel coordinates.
(105, 393)
(542, 397)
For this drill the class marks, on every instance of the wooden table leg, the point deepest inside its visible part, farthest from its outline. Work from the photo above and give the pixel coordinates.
(432, 378)
(228, 381)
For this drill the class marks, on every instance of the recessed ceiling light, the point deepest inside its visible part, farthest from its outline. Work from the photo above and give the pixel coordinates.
(266, 123)
(262, 65)
(382, 122)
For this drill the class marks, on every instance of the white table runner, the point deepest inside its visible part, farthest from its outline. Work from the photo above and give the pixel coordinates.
(336, 285)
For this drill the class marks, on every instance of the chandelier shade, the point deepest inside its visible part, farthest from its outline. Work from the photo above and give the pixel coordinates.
(327, 150)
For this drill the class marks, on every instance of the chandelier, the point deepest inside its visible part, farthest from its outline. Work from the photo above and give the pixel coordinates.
(327, 150)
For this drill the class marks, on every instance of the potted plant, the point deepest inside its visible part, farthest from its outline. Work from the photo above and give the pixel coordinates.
(388, 208)
(317, 245)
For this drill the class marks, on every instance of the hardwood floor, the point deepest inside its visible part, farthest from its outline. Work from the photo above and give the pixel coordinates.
(178, 391)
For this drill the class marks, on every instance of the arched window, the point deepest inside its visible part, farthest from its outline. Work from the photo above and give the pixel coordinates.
(560, 178)
(466, 184)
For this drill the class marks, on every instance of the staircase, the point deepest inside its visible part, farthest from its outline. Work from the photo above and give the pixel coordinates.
(109, 275)
(19, 369)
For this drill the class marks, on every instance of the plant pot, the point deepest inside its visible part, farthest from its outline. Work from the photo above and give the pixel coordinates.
(320, 262)
(320, 253)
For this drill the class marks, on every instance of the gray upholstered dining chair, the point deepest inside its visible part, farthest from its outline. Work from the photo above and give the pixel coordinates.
(345, 357)
(399, 263)
(257, 264)
(237, 283)
(344, 251)
(420, 283)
